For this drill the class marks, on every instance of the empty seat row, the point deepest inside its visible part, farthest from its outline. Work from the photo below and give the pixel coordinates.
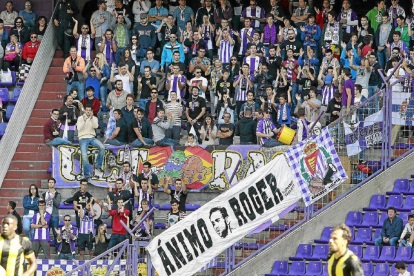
(371, 218)
(402, 186)
(5, 97)
(379, 202)
(308, 253)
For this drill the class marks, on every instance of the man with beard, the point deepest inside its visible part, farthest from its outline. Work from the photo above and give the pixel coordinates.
(220, 220)
(342, 259)
(292, 43)
(195, 110)
(68, 113)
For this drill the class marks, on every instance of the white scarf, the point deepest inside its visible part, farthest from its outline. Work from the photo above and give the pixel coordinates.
(141, 197)
(88, 46)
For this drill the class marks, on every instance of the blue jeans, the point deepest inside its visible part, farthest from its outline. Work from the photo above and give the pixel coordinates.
(26, 227)
(142, 103)
(374, 104)
(270, 143)
(116, 239)
(67, 256)
(292, 96)
(79, 86)
(103, 91)
(54, 223)
(84, 144)
(58, 141)
(173, 133)
(137, 143)
(114, 142)
(118, 54)
(166, 142)
(402, 243)
(382, 57)
(393, 241)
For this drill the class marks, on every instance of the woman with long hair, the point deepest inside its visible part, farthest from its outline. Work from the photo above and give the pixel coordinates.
(101, 241)
(101, 63)
(30, 205)
(20, 30)
(208, 132)
(4, 34)
(126, 58)
(40, 27)
(234, 68)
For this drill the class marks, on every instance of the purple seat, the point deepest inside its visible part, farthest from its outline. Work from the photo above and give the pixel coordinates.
(383, 217)
(377, 202)
(410, 261)
(377, 234)
(354, 219)
(401, 186)
(253, 246)
(387, 254)
(4, 95)
(297, 268)
(15, 96)
(411, 190)
(166, 207)
(382, 269)
(404, 216)
(403, 255)
(279, 227)
(368, 269)
(192, 207)
(363, 235)
(9, 111)
(408, 204)
(395, 201)
(314, 269)
(13, 74)
(279, 268)
(320, 252)
(159, 225)
(304, 251)
(3, 127)
(370, 219)
(326, 235)
(393, 270)
(325, 270)
(374, 165)
(410, 268)
(357, 249)
(372, 252)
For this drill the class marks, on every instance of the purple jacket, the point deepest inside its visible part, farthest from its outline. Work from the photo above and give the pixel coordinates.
(65, 237)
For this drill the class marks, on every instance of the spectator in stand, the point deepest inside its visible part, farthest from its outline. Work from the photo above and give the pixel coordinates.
(101, 21)
(207, 10)
(139, 8)
(311, 105)
(175, 82)
(225, 44)
(376, 13)
(153, 64)
(190, 141)
(407, 235)
(269, 35)
(31, 206)
(334, 107)
(9, 15)
(157, 14)
(84, 41)
(144, 193)
(145, 230)
(41, 235)
(28, 16)
(4, 34)
(250, 104)
(101, 241)
(175, 108)
(225, 105)
(401, 270)
(182, 15)
(140, 130)
(391, 229)
(169, 48)
(179, 193)
(30, 49)
(69, 114)
(165, 29)
(62, 18)
(301, 14)
(374, 82)
(76, 102)
(86, 126)
(124, 75)
(246, 129)
(80, 198)
(381, 38)
(86, 229)
(349, 20)
(11, 210)
(403, 29)
(118, 230)
(53, 200)
(13, 52)
(206, 32)
(40, 27)
(348, 97)
(159, 127)
(121, 8)
(225, 131)
(153, 105)
(92, 76)
(283, 32)
(208, 131)
(121, 192)
(148, 175)
(266, 130)
(196, 47)
(397, 43)
(201, 83)
(126, 175)
(128, 109)
(117, 97)
(66, 239)
(255, 13)
(119, 136)
(243, 83)
(126, 57)
(302, 125)
(394, 11)
(331, 35)
(73, 68)
(195, 110)
(100, 62)
(146, 33)
(174, 215)
(108, 46)
(223, 12)
(120, 25)
(51, 130)
(145, 84)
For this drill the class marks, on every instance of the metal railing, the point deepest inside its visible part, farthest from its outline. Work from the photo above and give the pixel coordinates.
(27, 98)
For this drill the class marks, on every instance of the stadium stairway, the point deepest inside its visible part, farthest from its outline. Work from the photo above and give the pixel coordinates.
(32, 158)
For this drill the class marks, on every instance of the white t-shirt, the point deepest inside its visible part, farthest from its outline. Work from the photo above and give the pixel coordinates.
(201, 81)
(125, 82)
(397, 87)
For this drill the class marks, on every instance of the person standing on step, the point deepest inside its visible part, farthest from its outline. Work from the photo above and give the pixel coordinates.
(66, 237)
(62, 18)
(11, 210)
(81, 197)
(52, 199)
(41, 235)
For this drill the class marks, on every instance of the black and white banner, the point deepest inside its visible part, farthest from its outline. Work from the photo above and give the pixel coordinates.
(187, 246)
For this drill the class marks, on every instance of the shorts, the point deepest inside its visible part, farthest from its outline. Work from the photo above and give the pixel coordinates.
(84, 241)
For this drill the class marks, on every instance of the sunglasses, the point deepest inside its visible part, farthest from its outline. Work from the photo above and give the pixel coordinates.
(85, 28)
(19, 22)
(173, 36)
(154, 92)
(67, 219)
(395, 53)
(92, 71)
(198, 72)
(134, 38)
(33, 37)
(27, 5)
(42, 205)
(233, 59)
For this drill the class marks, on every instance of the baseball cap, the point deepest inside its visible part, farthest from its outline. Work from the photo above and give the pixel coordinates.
(100, 2)
(328, 79)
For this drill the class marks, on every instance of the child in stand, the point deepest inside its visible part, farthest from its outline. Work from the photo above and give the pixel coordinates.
(175, 215)
(283, 110)
(145, 230)
(400, 267)
(191, 142)
(303, 126)
(86, 229)
(407, 237)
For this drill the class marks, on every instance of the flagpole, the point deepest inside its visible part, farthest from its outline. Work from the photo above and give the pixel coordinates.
(314, 123)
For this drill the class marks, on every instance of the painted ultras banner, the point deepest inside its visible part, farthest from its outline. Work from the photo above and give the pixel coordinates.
(188, 245)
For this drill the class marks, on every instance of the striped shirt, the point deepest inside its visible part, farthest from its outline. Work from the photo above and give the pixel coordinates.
(266, 127)
(169, 107)
(244, 40)
(243, 88)
(225, 51)
(328, 93)
(86, 223)
(253, 63)
(41, 234)
(174, 86)
(13, 252)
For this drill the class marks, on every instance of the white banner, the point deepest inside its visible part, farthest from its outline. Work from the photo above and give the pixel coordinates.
(187, 246)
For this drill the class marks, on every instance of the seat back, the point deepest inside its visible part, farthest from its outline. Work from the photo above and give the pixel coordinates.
(401, 185)
(370, 218)
(404, 215)
(409, 201)
(363, 234)
(304, 250)
(314, 268)
(280, 267)
(372, 251)
(388, 252)
(9, 111)
(4, 95)
(378, 201)
(321, 250)
(327, 232)
(382, 269)
(357, 249)
(403, 253)
(395, 201)
(3, 127)
(384, 216)
(368, 269)
(297, 268)
(354, 218)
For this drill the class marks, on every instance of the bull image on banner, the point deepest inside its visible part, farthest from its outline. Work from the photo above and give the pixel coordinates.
(316, 166)
(187, 246)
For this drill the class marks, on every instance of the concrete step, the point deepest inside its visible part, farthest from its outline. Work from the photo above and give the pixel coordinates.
(58, 54)
(27, 174)
(33, 138)
(57, 71)
(19, 183)
(39, 122)
(15, 193)
(54, 87)
(41, 113)
(33, 130)
(32, 147)
(45, 155)
(47, 95)
(19, 209)
(48, 104)
(57, 62)
(29, 165)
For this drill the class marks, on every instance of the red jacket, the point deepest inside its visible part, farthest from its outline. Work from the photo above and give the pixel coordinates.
(49, 127)
(96, 105)
(117, 227)
(30, 49)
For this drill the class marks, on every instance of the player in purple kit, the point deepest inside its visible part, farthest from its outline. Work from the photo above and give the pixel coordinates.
(40, 224)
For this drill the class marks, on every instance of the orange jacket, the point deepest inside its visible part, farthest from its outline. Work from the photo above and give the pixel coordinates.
(80, 64)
